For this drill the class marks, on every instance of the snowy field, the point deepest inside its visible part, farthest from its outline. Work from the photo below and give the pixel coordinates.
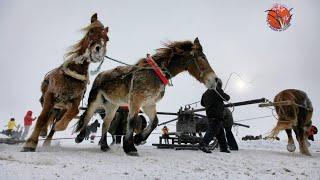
(67, 160)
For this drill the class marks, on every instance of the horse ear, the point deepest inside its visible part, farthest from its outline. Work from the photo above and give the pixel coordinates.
(106, 30)
(196, 41)
(94, 17)
(196, 44)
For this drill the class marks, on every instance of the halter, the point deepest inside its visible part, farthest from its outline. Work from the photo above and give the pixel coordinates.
(195, 60)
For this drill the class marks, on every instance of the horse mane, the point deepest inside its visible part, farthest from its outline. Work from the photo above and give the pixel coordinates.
(167, 52)
(75, 50)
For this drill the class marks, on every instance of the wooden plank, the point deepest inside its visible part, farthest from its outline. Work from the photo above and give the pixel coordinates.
(10, 141)
(242, 103)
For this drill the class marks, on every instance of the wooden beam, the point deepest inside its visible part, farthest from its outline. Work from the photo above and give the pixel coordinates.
(280, 103)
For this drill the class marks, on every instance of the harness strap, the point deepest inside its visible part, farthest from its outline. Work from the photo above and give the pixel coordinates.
(157, 70)
(73, 74)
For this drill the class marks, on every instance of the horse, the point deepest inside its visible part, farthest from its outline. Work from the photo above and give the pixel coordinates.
(139, 86)
(296, 116)
(63, 88)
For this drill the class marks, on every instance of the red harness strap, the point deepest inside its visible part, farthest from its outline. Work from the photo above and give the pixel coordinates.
(157, 70)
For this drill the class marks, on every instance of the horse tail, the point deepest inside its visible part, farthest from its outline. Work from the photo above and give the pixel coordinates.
(92, 96)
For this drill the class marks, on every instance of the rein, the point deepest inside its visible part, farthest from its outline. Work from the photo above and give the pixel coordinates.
(139, 68)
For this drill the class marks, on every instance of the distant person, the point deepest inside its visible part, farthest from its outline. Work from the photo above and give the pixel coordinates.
(27, 124)
(227, 124)
(18, 132)
(11, 125)
(92, 129)
(118, 125)
(165, 134)
(213, 100)
(312, 131)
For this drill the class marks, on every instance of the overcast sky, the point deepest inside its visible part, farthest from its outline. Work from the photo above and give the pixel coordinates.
(34, 36)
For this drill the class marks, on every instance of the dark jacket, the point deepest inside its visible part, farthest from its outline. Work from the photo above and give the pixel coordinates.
(213, 103)
(227, 118)
(94, 126)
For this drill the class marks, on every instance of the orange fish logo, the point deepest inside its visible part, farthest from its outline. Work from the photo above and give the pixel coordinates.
(279, 17)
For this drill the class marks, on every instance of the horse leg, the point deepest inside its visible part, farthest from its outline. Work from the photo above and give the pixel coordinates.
(110, 111)
(44, 130)
(53, 115)
(86, 116)
(151, 112)
(290, 146)
(128, 142)
(32, 141)
(303, 122)
(47, 142)
(301, 138)
(71, 112)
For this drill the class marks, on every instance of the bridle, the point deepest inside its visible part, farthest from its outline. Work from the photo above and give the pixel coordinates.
(195, 60)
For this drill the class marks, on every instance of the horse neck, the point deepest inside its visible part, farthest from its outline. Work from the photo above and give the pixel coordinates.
(176, 66)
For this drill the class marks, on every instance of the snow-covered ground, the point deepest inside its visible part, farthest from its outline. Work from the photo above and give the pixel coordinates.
(67, 160)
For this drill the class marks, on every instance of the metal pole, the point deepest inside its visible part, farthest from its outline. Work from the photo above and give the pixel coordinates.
(254, 101)
(243, 125)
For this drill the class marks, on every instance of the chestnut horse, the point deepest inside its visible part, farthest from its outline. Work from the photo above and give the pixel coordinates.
(296, 117)
(141, 87)
(63, 88)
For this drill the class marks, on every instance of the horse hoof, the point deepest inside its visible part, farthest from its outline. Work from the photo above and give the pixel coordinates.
(305, 152)
(291, 147)
(46, 144)
(28, 149)
(137, 139)
(133, 153)
(308, 143)
(78, 139)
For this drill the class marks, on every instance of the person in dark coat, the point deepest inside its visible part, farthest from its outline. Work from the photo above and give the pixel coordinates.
(92, 129)
(227, 124)
(119, 124)
(213, 100)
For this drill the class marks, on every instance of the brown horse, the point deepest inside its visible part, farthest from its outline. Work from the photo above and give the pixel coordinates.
(64, 87)
(296, 117)
(141, 87)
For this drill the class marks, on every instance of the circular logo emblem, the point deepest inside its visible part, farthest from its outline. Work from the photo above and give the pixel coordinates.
(279, 17)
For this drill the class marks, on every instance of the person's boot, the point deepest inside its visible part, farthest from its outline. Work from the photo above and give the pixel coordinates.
(233, 148)
(225, 150)
(205, 148)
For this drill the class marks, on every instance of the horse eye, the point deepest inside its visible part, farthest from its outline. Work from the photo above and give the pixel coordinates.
(90, 32)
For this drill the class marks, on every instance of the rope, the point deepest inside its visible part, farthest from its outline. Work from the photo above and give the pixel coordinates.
(94, 72)
(84, 137)
(123, 63)
(231, 104)
(165, 70)
(249, 119)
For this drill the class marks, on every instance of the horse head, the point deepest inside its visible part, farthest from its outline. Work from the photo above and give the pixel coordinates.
(92, 47)
(188, 56)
